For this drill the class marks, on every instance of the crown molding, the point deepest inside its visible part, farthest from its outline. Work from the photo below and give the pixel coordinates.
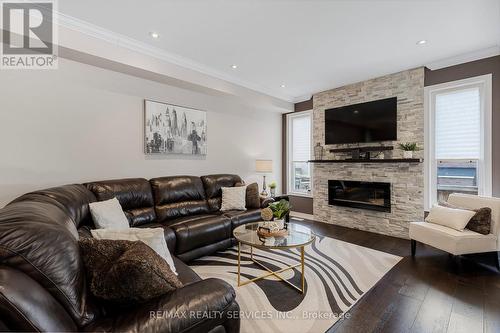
(465, 57)
(302, 98)
(117, 39)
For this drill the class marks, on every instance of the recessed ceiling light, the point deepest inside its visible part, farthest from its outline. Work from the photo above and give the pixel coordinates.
(234, 66)
(283, 86)
(421, 42)
(155, 35)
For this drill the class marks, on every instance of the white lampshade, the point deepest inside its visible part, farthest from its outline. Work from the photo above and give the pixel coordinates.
(264, 166)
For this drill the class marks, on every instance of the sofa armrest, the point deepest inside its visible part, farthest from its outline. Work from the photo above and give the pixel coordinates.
(26, 306)
(265, 201)
(196, 307)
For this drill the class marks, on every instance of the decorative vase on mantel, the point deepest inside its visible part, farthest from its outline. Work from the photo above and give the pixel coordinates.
(318, 152)
(408, 154)
(408, 149)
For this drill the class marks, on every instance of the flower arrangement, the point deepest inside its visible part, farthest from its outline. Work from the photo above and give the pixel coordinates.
(280, 209)
(277, 227)
(409, 146)
(272, 187)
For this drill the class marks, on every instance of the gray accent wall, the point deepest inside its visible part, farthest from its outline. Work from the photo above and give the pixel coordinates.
(299, 204)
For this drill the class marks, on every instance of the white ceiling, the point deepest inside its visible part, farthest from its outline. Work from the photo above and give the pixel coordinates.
(308, 45)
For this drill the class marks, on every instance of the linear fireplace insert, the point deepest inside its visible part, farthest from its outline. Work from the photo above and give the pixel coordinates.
(367, 195)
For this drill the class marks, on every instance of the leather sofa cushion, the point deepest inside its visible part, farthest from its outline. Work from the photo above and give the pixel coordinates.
(239, 217)
(200, 231)
(213, 185)
(27, 306)
(178, 196)
(206, 250)
(207, 296)
(253, 196)
(72, 199)
(190, 218)
(41, 240)
(134, 194)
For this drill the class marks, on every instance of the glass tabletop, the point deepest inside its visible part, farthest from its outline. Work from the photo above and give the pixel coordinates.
(297, 235)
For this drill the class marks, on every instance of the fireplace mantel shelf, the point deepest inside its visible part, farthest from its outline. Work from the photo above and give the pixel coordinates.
(385, 160)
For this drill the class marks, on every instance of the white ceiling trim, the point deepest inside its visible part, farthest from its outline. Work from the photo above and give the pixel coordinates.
(98, 32)
(303, 98)
(466, 57)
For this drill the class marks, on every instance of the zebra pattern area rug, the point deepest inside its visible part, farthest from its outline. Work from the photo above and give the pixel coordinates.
(337, 274)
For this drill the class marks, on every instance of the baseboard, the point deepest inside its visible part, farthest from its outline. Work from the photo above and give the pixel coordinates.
(302, 215)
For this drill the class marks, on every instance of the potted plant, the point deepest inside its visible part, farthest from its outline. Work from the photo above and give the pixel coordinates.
(280, 210)
(272, 188)
(408, 148)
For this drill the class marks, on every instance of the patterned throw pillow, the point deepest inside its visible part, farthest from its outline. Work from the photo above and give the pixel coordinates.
(233, 198)
(126, 272)
(480, 222)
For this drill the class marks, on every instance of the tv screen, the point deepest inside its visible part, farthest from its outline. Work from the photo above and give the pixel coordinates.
(365, 122)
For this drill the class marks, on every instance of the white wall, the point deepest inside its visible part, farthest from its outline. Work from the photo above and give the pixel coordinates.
(82, 123)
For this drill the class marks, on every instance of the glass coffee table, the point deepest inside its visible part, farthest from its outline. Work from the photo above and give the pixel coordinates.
(298, 236)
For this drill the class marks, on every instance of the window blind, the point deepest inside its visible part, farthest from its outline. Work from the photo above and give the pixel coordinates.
(458, 117)
(301, 138)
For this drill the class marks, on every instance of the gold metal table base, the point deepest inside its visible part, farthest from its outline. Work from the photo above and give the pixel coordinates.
(271, 272)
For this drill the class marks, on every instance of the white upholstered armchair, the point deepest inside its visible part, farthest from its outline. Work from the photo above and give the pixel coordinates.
(460, 242)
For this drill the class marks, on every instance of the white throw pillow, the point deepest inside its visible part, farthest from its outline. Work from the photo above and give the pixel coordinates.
(450, 217)
(108, 214)
(233, 198)
(152, 237)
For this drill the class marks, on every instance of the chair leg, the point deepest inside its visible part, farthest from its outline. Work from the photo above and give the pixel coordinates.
(497, 261)
(413, 247)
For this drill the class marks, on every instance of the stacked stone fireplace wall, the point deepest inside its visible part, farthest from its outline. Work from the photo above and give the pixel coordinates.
(407, 179)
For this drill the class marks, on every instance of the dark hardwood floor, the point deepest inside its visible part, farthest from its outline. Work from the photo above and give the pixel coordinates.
(433, 292)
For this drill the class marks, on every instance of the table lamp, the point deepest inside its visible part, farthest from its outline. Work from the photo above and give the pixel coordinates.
(264, 166)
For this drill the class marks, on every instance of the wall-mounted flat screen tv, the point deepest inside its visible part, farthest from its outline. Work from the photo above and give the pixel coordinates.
(365, 122)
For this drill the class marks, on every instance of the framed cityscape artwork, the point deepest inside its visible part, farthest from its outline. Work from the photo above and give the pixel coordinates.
(173, 129)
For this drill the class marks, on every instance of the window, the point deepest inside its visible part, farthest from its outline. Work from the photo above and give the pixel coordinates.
(298, 153)
(458, 139)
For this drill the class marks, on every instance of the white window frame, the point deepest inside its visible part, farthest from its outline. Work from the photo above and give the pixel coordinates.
(289, 155)
(484, 174)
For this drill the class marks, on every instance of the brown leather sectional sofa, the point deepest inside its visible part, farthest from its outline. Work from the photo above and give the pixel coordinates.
(42, 279)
